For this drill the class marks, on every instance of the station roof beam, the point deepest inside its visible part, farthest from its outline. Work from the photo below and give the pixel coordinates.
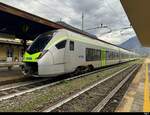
(139, 16)
(22, 24)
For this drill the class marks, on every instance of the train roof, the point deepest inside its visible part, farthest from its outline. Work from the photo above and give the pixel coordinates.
(86, 39)
(94, 41)
(91, 36)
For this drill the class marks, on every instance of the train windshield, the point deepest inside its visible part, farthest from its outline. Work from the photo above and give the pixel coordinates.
(40, 43)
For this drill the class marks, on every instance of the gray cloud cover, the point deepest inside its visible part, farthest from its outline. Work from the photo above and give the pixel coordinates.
(96, 12)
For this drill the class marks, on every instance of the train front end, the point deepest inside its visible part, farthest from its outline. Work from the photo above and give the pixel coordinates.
(36, 53)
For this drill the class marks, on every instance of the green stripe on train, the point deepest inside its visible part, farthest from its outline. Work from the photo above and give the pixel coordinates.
(103, 57)
(31, 57)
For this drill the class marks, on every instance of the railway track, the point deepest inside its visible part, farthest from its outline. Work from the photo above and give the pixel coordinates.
(30, 86)
(101, 106)
(88, 98)
(28, 79)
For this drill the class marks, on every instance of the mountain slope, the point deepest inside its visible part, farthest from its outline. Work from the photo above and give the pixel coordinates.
(134, 45)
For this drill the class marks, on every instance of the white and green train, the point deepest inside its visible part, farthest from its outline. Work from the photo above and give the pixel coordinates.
(62, 51)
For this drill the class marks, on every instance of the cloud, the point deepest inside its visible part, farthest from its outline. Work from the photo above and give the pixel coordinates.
(118, 37)
(96, 12)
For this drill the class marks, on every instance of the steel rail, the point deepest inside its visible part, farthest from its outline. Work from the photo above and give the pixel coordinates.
(20, 84)
(48, 85)
(102, 104)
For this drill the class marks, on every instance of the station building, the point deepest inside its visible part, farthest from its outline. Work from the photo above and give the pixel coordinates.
(10, 50)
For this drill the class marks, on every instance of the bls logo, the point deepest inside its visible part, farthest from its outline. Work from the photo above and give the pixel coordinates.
(81, 56)
(29, 58)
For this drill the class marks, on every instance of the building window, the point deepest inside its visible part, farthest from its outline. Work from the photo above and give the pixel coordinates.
(93, 54)
(71, 46)
(22, 52)
(9, 52)
(61, 44)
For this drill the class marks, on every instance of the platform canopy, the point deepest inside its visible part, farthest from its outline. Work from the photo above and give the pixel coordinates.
(138, 12)
(22, 24)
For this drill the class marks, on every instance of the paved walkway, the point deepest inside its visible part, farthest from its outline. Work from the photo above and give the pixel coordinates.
(137, 98)
(7, 76)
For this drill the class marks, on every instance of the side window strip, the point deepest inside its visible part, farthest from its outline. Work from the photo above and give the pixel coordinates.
(71, 46)
(61, 44)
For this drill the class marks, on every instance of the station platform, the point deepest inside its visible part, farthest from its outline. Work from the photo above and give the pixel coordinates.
(137, 97)
(10, 64)
(10, 76)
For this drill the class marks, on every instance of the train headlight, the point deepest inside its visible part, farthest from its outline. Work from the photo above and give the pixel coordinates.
(42, 54)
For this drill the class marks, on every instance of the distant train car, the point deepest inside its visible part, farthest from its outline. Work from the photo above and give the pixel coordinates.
(62, 51)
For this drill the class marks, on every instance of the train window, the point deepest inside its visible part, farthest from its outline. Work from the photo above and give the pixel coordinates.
(107, 55)
(93, 54)
(61, 44)
(39, 44)
(116, 55)
(110, 55)
(71, 46)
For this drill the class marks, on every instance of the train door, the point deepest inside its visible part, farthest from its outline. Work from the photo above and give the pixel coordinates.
(58, 57)
(70, 57)
(103, 57)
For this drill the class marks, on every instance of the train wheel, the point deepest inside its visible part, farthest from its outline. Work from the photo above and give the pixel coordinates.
(90, 68)
(77, 71)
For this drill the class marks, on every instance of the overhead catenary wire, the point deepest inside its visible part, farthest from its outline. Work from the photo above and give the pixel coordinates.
(55, 10)
(83, 21)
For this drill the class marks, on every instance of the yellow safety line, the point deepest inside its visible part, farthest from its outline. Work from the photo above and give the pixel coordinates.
(146, 92)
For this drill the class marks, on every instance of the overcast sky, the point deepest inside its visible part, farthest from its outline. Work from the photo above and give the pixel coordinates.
(96, 12)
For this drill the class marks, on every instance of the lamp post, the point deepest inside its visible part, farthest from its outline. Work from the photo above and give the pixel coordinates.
(82, 18)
